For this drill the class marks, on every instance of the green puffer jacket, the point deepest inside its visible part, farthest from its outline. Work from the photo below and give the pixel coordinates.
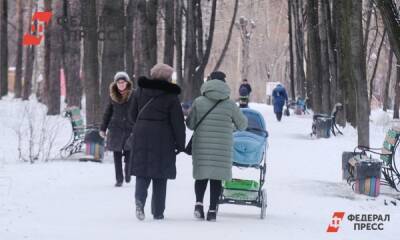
(212, 144)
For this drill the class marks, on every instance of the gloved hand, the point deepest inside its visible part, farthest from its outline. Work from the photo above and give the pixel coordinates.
(102, 134)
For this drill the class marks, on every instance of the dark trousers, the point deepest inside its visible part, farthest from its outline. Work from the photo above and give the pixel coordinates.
(118, 165)
(278, 116)
(158, 196)
(215, 191)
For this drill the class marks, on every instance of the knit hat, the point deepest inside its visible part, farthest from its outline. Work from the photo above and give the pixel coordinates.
(121, 76)
(162, 71)
(218, 75)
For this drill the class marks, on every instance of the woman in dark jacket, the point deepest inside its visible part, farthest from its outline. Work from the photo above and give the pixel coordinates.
(159, 134)
(115, 119)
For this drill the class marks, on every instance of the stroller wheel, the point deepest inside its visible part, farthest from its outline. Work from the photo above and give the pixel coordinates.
(263, 203)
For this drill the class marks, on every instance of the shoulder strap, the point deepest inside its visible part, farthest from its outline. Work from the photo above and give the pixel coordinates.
(205, 115)
(145, 105)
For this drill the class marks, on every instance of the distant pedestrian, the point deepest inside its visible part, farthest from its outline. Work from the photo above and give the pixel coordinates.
(279, 97)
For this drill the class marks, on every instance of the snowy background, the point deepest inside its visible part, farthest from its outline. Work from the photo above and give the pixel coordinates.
(67, 199)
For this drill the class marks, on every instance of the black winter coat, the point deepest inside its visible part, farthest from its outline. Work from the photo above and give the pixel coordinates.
(116, 120)
(159, 132)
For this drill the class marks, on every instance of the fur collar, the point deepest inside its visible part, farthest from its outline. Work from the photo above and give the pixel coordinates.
(116, 96)
(160, 85)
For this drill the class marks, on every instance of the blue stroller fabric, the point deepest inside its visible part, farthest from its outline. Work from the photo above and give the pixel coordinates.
(249, 146)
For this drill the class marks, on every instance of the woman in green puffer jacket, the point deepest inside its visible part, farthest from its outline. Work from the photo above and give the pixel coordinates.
(213, 140)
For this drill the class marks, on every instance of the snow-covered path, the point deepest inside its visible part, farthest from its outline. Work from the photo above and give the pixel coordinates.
(77, 200)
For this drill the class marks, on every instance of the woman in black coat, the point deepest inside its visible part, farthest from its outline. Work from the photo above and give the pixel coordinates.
(159, 134)
(116, 120)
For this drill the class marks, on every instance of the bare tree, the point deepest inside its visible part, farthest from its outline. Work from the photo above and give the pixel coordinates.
(196, 57)
(246, 27)
(178, 42)
(29, 60)
(20, 32)
(291, 57)
(387, 82)
(228, 39)
(314, 51)
(90, 62)
(130, 12)
(145, 45)
(371, 81)
(3, 48)
(359, 74)
(325, 74)
(72, 52)
(50, 93)
(169, 33)
(390, 16)
(344, 73)
(299, 39)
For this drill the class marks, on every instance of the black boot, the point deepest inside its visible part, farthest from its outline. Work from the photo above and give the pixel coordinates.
(198, 211)
(118, 184)
(212, 215)
(158, 217)
(127, 173)
(140, 211)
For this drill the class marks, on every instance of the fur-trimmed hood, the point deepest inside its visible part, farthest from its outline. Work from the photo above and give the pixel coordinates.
(162, 85)
(116, 96)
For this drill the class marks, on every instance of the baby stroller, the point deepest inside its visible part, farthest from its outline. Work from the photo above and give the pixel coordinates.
(250, 148)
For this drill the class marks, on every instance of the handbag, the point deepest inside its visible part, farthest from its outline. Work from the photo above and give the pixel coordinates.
(188, 148)
(129, 141)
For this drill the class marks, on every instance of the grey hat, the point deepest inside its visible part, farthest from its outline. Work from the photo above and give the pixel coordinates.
(121, 75)
(162, 71)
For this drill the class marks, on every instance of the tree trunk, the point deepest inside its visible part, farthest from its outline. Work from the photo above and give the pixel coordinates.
(291, 58)
(145, 28)
(178, 42)
(113, 47)
(190, 51)
(3, 48)
(20, 32)
(314, 49)
(325, 75)
(29, 60)
(72, 54)
(346, 84)
(130, 13)
(90, 62)
(140, 67)
(387, 83)
(169, 33)
(151, 28)
(56, 46)
(331, 18)
(299, 39)
(397, 93)
(228, 39)
(43, 91)
(359, 74)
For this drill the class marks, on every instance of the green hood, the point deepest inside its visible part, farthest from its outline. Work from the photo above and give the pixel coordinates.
(215, 89)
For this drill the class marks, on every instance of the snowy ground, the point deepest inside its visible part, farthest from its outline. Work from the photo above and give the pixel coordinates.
(77, 200)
